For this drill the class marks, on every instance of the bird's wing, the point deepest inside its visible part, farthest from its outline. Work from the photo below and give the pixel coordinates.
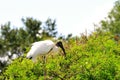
(42, 47)
(36, 43)
(42, 42)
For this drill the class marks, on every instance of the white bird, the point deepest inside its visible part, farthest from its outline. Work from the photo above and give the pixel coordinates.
(43, 48)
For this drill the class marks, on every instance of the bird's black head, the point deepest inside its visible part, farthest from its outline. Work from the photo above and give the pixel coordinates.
(29, 58)
(59, 44)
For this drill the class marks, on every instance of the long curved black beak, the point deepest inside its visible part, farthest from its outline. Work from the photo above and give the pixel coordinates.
(59, 44)
(63, 51)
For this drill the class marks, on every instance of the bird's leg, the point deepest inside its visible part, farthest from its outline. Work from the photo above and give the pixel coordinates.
(52, 56)
(44, 63)
(44, 59)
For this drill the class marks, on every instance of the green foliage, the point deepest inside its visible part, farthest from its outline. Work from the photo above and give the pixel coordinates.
(20, 70)
(50, 28)
(32, 26)
(97, 59)
(16, 40)
(112, 22)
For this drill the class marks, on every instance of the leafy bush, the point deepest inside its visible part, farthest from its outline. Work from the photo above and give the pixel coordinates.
(97, 59)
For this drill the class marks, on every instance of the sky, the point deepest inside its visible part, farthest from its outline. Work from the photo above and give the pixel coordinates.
(72, 16)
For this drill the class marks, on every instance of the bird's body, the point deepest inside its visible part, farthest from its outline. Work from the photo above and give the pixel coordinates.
(41, 48)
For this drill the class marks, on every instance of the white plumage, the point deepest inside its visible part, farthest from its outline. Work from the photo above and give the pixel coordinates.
(43, 48)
